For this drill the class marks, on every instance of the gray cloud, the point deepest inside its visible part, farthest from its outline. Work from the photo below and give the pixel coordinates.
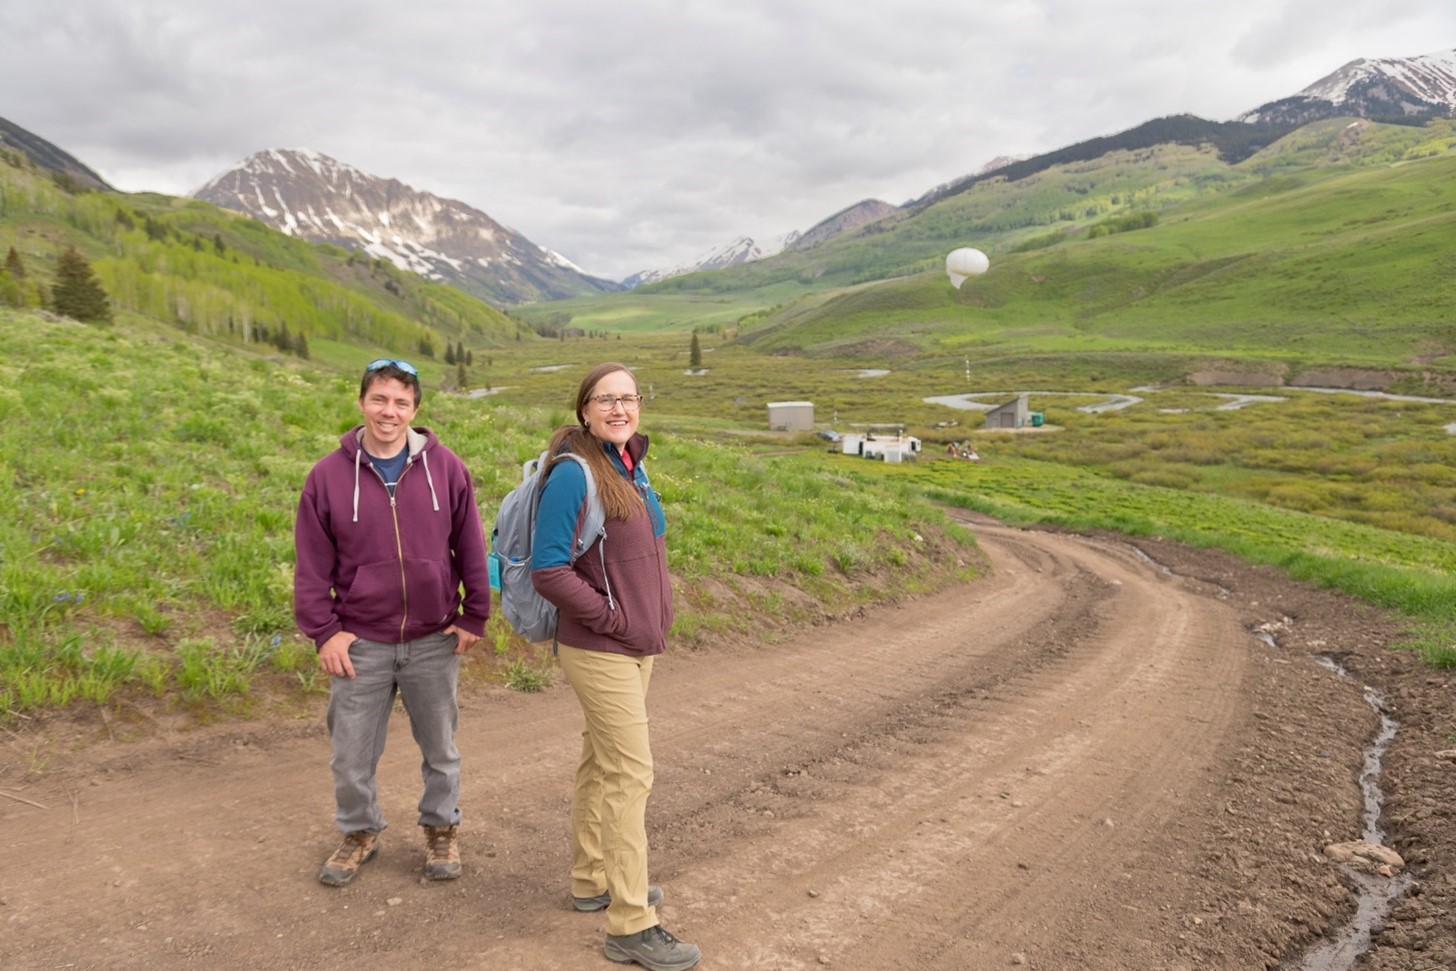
(638, 135)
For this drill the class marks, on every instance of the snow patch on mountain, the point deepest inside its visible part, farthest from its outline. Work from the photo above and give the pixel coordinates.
(307, 194)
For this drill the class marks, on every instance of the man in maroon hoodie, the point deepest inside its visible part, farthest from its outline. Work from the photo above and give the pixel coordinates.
(386, 536)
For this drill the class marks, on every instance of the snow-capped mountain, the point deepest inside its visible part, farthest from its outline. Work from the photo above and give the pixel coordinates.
(745, 249)
(314, 197)
(1378, 88)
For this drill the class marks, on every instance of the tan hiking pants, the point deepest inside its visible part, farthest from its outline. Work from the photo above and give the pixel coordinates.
(613, 779)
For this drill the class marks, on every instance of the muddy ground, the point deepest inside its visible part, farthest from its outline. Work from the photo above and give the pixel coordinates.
(1103, 755)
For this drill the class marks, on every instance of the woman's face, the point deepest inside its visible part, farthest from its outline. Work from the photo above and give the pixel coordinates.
(619, 423)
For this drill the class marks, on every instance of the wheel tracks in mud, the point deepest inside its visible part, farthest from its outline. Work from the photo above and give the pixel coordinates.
(949, 765)
(980, 795)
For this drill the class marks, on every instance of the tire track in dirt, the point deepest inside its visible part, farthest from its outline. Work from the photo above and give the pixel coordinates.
(981, 799)
(968, 777)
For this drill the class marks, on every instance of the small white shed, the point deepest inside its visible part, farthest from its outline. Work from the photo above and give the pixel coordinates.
(791, 416)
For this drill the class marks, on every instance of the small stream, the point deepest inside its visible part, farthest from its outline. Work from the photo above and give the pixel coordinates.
(1377, 893)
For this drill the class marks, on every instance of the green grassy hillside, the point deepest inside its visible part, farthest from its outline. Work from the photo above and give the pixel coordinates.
(1334, 266)
(211, 272)
(153, 476)
(1330, 245)
(998, 214)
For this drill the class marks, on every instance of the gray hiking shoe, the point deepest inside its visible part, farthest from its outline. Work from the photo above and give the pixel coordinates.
(442, 853)
(655, 949)
(604, 900)
(358, 848)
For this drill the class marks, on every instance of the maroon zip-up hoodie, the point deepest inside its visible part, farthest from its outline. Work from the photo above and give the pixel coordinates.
(389, 569)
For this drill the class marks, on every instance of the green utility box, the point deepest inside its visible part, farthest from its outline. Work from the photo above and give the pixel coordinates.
(1037, 419)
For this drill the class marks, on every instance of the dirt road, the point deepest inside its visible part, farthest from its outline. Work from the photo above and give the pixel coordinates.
(1086, 760)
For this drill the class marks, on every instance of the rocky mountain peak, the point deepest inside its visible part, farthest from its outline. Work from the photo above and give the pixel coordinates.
(1380, 88)
(312, 196)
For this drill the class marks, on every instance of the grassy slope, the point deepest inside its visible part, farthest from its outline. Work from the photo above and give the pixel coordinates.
(1329, 240)
(153, 477)
(1337, 266)
(213, 272)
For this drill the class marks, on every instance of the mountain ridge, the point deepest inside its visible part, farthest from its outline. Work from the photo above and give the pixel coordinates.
(50, 157)
(1382, 89)
(315, 197)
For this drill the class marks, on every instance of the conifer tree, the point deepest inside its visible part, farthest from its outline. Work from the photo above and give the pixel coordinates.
(13, 265)
(77, 293)
(449, 352)
(695, 353)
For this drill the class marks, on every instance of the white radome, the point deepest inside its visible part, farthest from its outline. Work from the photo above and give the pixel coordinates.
(965, 262)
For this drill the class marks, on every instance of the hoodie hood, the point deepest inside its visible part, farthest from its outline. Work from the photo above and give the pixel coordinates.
(418, 440)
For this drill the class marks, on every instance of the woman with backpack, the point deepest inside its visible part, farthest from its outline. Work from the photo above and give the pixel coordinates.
(615, 604)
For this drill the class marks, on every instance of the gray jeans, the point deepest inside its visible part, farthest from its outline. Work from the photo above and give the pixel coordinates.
(423, 673)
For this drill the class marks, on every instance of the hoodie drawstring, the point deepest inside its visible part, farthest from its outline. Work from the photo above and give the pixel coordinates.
(424, 454)
(433, 498)
(357, 454)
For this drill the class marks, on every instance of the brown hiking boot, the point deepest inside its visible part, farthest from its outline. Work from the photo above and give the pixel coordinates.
(442, 853)
(358, 848)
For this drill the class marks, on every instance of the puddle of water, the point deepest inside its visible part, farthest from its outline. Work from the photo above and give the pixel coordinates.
(1377, 893)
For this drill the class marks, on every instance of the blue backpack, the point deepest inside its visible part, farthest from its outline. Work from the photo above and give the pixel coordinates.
(511, 541)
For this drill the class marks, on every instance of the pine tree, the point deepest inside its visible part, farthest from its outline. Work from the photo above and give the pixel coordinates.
(13, 266)
(695, 353)
(449, 352)
(76, 292)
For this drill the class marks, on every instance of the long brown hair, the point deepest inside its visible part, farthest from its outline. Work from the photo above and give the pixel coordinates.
(619, 497)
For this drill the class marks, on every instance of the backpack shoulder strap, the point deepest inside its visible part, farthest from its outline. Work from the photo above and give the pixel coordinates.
(594, 515)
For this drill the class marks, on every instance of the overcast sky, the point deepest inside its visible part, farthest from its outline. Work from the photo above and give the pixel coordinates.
(637, 135)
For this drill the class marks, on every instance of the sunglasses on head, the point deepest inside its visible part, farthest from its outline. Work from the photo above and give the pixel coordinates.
(384, 362)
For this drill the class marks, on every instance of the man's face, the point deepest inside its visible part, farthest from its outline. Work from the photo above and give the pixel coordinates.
(388, 407)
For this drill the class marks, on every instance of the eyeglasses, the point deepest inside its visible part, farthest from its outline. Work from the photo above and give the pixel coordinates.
(606, 402)
(384, 362)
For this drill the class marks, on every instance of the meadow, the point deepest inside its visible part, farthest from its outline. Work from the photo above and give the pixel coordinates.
(1351, 491)
(153, 479)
